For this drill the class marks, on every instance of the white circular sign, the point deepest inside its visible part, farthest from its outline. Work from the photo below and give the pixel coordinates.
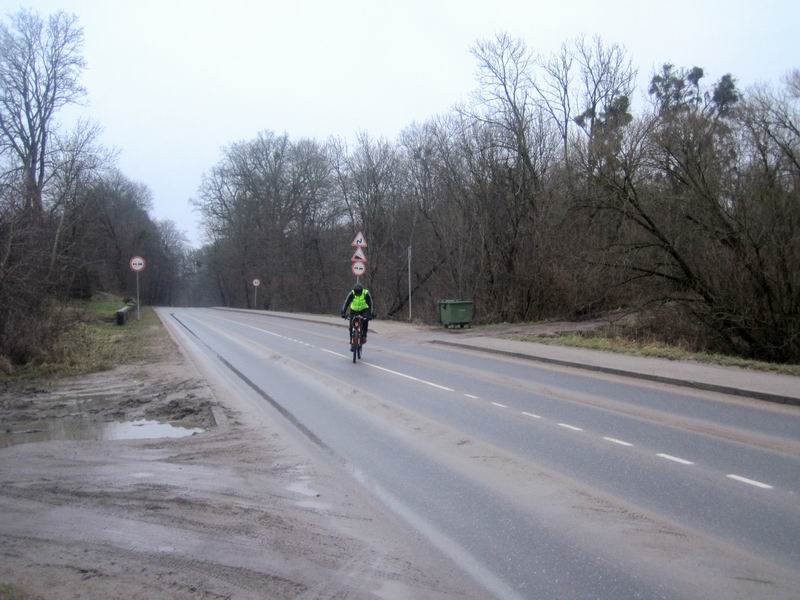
(256, 282)
(137, 263)
(359, 268)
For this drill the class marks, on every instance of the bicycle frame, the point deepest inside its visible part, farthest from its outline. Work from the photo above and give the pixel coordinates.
(356, 336)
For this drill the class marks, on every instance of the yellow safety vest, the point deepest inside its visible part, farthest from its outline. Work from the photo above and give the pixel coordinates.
(359, 303)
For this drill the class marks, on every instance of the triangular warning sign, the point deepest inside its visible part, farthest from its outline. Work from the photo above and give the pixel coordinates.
(360, 241)
(358, 255)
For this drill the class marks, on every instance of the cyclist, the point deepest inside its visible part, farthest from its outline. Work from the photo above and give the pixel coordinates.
(359, 302)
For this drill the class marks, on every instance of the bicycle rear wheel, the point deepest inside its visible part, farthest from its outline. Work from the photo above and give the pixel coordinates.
(355, 338)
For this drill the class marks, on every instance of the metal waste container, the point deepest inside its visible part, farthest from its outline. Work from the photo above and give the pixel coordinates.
(455, 312)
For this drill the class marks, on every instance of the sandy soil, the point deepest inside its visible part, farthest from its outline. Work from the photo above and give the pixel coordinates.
(238, 511)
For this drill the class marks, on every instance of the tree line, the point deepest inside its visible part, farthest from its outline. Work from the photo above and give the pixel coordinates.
(69, 219)
(545, 196)
(558, 191)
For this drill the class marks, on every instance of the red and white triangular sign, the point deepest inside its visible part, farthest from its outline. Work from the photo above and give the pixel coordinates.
(358, 255)
(360, 241)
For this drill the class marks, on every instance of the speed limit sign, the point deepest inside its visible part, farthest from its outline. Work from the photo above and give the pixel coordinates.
(256, 282)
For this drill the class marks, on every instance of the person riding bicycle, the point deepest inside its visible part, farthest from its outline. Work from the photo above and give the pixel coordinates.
(359, 302)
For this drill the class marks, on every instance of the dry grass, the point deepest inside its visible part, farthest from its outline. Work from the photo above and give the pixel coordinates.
(655, 349)
(96, 343)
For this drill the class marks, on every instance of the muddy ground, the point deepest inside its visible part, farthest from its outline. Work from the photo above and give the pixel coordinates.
(234, 509)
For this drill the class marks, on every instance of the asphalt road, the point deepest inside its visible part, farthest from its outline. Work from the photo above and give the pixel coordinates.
(539, 481)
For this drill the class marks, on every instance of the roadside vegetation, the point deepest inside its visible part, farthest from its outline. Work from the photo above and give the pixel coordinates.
(94, 342)
(555, 193)
(653, 348)
(69, 219)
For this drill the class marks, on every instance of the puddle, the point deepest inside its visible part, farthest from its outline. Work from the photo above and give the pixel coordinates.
(78, 430)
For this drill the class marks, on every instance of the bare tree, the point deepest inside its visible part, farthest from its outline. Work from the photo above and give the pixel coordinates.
(554, 90)
(77, 160)
(40, 66)
(505, 94)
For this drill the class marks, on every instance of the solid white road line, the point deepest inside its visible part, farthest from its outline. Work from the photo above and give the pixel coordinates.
(500, 405)
(430, 383)
(765, 486)
(527, 414)
(616, 441)
(676, 459)
(471, 396)
(334, 353)
(572, 427)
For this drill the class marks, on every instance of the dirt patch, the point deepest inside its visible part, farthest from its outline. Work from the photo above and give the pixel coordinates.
(512, 331)
(155, 391)
(234, 512)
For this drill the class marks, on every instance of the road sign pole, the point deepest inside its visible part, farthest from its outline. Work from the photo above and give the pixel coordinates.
(256, 283)
(138, 313)
(137, 263)
(409, 284)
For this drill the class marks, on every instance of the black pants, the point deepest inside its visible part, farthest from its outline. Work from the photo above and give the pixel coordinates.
(364, 321)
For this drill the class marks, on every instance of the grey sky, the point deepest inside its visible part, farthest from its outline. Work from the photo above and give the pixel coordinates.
(171, 82)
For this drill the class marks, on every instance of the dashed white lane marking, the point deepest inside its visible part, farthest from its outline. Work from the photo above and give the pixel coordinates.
(675, 459)
(500, 405)
(572, 427)
(527, 414)
(399, 374)
(616, 441)
(765, 486)
(471, 396)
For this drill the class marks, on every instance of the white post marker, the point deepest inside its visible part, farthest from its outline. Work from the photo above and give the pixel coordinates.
(256, 283)
(137, 264)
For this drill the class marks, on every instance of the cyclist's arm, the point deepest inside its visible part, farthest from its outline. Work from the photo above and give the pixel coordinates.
(371, 305)
(347, 302)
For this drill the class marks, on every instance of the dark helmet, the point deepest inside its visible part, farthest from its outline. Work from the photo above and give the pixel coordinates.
(357, 289)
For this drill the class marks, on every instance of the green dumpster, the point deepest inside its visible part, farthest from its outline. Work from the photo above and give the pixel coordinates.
(454, 312)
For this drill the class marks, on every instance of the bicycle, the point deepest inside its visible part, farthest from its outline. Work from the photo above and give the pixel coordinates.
(356, 336)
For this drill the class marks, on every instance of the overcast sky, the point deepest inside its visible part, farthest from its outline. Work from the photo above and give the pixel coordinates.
(171, 81)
